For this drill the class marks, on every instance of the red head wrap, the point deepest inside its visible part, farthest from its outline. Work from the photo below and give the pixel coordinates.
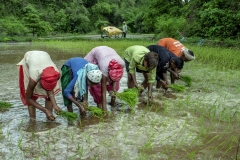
(49, 78)
(115, 70)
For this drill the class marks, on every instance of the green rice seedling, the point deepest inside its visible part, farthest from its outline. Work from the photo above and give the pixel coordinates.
(20, 143)
(187, 80)
(72, 136)
(70, 116)
(95, 111)
(177, 87)
(4, 106)
(129, 96)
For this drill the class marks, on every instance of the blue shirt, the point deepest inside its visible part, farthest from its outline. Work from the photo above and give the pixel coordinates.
(75, 64)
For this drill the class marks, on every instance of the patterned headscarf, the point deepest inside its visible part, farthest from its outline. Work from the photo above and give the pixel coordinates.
(49, 78)
(115, 70)
(82, 75)
(94, 76)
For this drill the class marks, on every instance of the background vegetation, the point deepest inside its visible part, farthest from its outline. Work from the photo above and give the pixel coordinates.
(200, 18)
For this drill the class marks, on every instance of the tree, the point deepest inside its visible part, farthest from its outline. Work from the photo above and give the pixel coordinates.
(32, 21)
(12, 26)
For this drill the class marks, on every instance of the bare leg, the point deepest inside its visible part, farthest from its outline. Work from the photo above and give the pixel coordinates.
(145, 82)
(99, 106)
(158, 84)
(172, 78)
(32, 112)
(130, 82)
(32, 125)
(112, 100)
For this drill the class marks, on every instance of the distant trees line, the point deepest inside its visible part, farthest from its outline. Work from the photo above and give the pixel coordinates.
(165, 18)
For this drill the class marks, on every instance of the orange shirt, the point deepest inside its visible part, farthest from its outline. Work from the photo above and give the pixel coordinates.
(172, 45)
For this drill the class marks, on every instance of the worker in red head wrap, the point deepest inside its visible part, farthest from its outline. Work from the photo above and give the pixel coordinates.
(38, 78)
(111, 66)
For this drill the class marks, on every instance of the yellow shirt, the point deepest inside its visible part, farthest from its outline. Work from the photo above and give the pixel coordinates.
(135, 56)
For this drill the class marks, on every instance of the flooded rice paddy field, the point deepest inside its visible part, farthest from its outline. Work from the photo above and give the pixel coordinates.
(201, 123)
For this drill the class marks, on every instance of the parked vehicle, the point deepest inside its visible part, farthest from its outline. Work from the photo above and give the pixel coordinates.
(111, 31)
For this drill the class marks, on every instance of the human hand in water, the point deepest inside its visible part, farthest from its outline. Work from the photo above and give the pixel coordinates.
(176, 75)
(105, 114)
(82, 109)
(57, 109)
(165, 85)
(49, 115)
(112, 93)
(85, 104)
(140, 89)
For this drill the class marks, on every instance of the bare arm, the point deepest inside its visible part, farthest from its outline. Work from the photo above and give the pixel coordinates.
(79, 105)
(134, 80)
(53, 100)
(104, 90)
(150, 97)
(176, 74)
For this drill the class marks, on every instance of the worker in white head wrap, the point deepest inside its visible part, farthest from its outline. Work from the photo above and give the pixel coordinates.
(188, 54)
(90, 74)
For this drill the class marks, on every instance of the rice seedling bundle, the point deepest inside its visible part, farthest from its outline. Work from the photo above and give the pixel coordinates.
(186, 79)
(177, 87)
(95, 111)
(4, 106)
(129, 96)
(70, 116)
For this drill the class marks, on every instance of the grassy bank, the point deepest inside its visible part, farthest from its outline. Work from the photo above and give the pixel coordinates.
(219, 58)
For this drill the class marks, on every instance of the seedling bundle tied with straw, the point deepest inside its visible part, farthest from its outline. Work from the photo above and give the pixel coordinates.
(129, 96)
(179, 87)
(70, 116)
(95, 111)
(187, 80)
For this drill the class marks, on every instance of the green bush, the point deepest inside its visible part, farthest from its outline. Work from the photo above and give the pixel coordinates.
(7, 39)
(12, 26)
(167, 26)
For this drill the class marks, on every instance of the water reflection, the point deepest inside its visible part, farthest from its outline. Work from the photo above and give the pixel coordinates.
(38, 126)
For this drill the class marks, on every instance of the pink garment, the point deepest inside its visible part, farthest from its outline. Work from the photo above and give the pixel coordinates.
(96, 91)
(101, 56)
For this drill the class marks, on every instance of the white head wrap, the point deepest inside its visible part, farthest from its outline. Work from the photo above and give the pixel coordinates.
(95, 76)
(187, 54)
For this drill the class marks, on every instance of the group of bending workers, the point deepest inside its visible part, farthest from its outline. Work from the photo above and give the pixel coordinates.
(98, 72)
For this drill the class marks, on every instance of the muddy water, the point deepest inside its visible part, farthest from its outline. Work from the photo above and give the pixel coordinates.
(171, 129)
